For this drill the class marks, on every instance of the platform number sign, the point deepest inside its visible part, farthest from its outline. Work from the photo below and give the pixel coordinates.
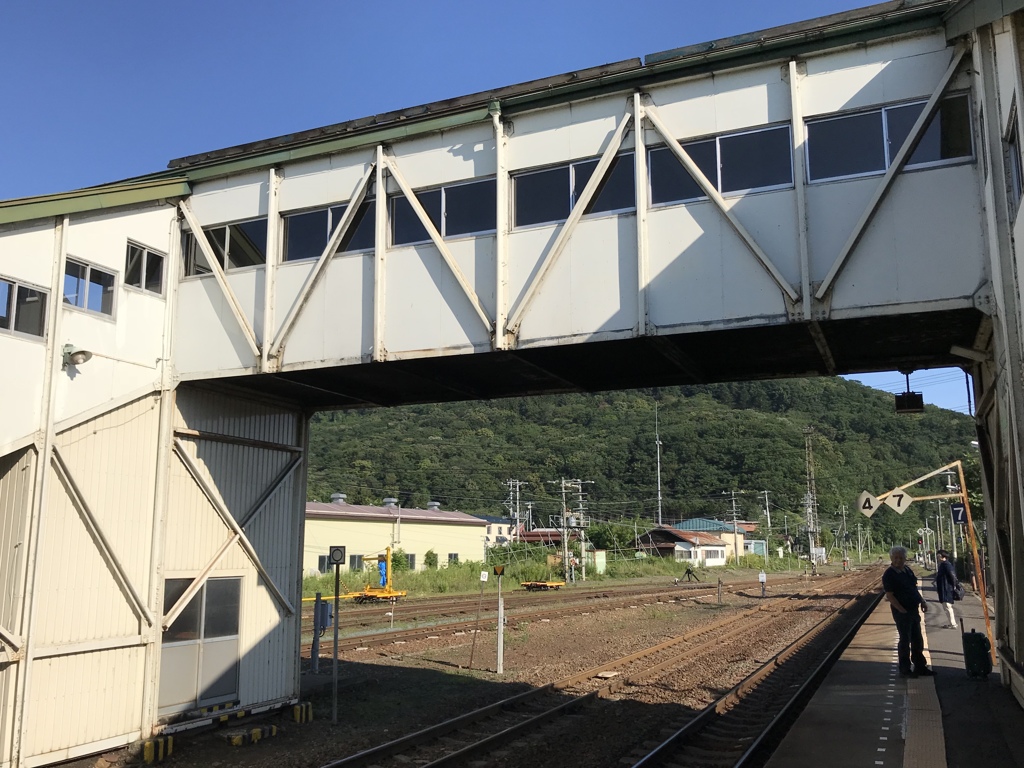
(867, 504)
(959, 512)
(899, 500)
(336, 556)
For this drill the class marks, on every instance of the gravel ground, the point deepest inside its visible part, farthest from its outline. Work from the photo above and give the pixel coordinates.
(388, 691)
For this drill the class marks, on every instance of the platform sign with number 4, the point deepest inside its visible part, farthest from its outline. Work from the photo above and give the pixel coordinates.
(868, 504)
(899, 500)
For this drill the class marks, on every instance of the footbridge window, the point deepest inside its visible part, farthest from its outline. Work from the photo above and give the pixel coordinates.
(456, 210)
(866, 143)
(734, 163)
(547, 196)
(88, 287)
(307, 233)
(236, 246)
(144, 268)
(22, 308)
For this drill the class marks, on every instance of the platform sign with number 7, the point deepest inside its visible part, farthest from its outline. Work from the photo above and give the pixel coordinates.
(899, 500)
(868, 504)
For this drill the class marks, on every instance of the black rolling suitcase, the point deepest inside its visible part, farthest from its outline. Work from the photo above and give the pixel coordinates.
(977, 653)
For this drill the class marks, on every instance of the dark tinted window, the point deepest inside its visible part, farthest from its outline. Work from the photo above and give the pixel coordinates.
(845, 146)
(305, 235)
(948, 135)
(898, 122)
(101, 292)
(154, 272)
(755, 160)
(74, 283)
(248, 246)
(617, 191)
(30, 311)
(470, 208)
(669, 180)
(360, 234)
(135, 262)
(186, 626)
(222, 603)
(405, 224)
(6, 304)
(542, 196)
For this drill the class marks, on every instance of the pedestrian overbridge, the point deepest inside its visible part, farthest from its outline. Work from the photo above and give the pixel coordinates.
(835, 196)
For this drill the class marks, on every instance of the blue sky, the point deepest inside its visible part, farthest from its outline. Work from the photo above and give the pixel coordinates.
(102, 91)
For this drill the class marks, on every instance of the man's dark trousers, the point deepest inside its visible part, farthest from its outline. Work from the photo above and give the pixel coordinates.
(910, 648)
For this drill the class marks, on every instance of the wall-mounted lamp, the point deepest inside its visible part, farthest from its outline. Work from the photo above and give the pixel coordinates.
(72, 355)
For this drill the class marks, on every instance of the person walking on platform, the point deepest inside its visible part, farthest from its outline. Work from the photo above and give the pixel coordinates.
(900, 585)
(945, 583)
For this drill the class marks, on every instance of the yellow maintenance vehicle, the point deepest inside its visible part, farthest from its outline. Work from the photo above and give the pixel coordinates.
(382, 591)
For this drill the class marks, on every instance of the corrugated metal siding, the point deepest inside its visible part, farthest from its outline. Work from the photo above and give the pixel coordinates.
(113, 461)
(84, 698)
(16, 480)
(208, 411)
(195, 531)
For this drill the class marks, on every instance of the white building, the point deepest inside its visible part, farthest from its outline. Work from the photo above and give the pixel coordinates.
(833, 196)
(365, 531)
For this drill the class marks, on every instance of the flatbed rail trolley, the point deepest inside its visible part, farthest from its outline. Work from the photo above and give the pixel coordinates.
(541, 586)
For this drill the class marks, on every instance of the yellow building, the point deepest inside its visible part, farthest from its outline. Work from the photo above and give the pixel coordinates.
(366, 531)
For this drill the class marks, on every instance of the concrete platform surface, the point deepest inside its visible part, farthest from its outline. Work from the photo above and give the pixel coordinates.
(864, 714)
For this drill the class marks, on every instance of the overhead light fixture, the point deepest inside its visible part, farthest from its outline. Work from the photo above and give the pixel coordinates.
(909, 402)
(72, 355)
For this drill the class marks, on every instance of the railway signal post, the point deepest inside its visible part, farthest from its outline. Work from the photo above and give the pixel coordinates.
(499, 571)
(336, 557)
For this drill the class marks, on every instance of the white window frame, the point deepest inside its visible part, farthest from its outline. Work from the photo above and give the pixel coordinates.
(146, 250)
(881, 110)
(442, 230)
(90, 266)
(207, 228)
(717, 180)
(572, 184)
(331, 224)
(14, 285)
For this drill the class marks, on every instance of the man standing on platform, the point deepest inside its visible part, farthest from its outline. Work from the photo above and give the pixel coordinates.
(900, 585)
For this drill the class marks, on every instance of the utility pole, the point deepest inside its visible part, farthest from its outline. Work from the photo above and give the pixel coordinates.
(768, 514)
(846, 548)
(512, 504)
(735, 530)
(657, 444)
(811, 500)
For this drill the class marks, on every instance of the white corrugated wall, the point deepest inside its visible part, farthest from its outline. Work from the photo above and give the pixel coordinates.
(255, 441)
(16, 480)
(87, 676)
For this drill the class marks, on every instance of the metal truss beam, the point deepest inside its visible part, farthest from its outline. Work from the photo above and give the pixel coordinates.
(314, 278)
(569, 225)
(99, 539)
(909, 145)
(221, 508)
(651, 113)
(218, 272)
(438, 241)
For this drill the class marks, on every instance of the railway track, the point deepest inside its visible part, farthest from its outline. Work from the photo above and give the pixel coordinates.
(430, 624)
(486, 733)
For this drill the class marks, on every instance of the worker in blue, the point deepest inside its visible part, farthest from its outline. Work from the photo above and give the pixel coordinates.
(900, 585)
(383, 568)
(945, 584)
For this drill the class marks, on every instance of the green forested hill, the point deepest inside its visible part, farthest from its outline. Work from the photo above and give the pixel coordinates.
(747, 437)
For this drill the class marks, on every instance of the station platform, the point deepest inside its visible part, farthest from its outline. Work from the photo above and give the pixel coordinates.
(864, 714)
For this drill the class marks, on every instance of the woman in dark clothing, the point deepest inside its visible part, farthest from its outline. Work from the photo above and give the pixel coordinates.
(945, 582)
(900, 585)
